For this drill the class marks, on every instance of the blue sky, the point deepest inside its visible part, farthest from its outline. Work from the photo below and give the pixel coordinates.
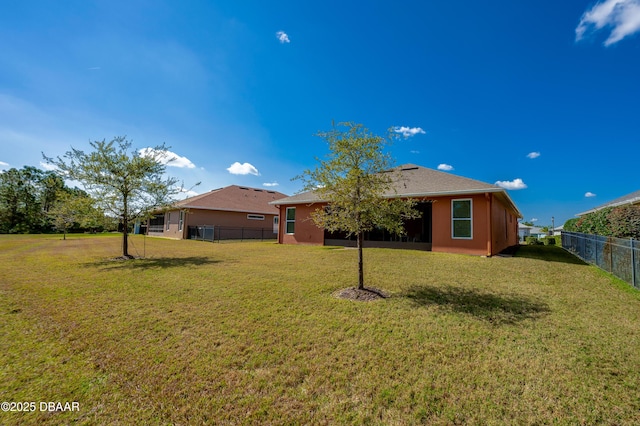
(542, 97)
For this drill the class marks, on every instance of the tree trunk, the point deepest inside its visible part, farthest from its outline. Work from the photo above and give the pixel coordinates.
(125, 227)
(360, 263)
(125, 239)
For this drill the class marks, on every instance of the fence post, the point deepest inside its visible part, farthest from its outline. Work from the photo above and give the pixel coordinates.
(610, 254)
(633, 264)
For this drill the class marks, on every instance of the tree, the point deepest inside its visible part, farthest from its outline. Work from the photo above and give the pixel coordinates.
(25, 196)
(126, 184)
(74, 208)
(357, 183)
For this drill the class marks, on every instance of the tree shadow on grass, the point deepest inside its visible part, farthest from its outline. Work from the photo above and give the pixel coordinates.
(153, 263)
(494, 308)
(547, 253)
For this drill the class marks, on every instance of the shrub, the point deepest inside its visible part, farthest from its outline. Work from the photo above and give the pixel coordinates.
(620, 222)
(624, 222)
(532, 240)
(570, 225)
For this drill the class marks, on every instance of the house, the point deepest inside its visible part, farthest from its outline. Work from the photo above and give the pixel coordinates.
(237, 209)
(458, 215)
(629, 199)
(524, 231)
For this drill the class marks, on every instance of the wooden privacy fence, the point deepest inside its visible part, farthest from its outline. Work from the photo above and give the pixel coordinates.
(216, 233)
(620, 256)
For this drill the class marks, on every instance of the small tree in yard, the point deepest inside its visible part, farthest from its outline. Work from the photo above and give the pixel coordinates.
(355, 180)
(75, 208)
(126, 184)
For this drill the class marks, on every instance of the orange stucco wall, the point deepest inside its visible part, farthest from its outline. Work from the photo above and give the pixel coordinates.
(211, 217)
(504, 227)
(494, 226)
(442, 240)
(306, 232)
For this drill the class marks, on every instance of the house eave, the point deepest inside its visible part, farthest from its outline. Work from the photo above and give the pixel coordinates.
(630, 201)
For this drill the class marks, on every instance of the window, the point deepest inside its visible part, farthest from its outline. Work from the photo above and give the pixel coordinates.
(461, 221)
(168, 220)
(255, 216)
(181, 222)
(290, 220)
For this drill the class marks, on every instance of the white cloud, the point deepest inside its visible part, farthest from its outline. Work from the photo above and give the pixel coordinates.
(514, 184)
(3, 164)
(622, 16)
(169, 158)
(189, 192)
(533, 155)
(534, 219)
(283, 37)
(242, 169)
(445, 167)
(47, 166)
(407, 132)
(415, 152)
(269, 184)
(589, 194)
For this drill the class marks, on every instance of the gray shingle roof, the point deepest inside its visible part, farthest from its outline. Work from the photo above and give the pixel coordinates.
(417, 181)
(633, 198)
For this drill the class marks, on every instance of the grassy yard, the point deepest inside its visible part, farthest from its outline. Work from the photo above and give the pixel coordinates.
(249, 333)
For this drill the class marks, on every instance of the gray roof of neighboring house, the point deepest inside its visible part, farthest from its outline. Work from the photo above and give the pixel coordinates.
(417, 181)
(633, 198)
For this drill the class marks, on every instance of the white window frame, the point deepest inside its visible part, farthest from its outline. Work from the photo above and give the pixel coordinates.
(454, 219)
(288, 221)
(181, 221)
(255, 216)
(168, 216)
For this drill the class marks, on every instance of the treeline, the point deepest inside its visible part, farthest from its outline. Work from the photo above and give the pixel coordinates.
(619, 222)
(38, 201)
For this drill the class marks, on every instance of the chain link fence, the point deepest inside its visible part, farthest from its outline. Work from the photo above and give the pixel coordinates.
(619, 256)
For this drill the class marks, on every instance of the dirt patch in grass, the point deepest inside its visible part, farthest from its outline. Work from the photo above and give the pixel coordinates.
(367, 294)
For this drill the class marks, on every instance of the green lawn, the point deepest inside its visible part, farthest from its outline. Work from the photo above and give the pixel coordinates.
(250, 333)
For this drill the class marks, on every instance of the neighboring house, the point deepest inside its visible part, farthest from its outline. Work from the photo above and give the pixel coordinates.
(629, 199)
(485, 222)
(233, 206)
(558, 230)
(537, 232)
(524, 231)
